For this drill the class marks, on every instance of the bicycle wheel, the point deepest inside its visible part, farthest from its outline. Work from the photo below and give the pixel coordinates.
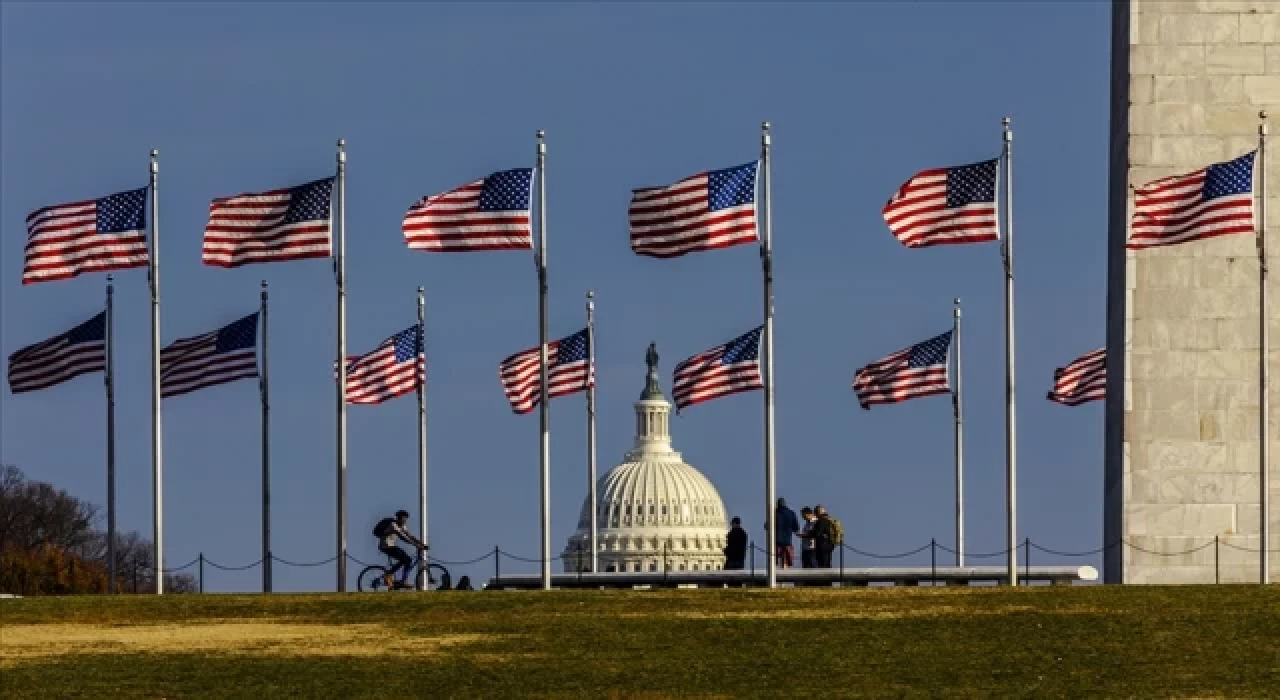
(439, 578)
(370, 579)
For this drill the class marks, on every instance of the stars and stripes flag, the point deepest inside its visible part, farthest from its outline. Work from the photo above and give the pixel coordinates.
(1084, 380)
(260, 227)
(710, 210)
(919, 370)
(218, 357)
(394, 368)
(942, 206)
(491, 213)
(727, 369)
(567, 371)
(1216, 200)
(95, 235)
(81, 350)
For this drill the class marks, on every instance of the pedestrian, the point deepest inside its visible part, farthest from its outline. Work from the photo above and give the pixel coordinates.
(824, 536)
(786, 525)
(735, 551)
(808, 546)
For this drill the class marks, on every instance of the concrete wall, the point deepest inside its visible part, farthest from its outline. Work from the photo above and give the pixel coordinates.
(1188, 80)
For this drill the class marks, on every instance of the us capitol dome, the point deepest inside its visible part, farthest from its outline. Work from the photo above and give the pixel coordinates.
(655, 511)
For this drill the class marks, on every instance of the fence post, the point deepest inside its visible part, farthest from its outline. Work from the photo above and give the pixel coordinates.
(1217, 575)
(578, 548)
(71, 575)
(841, 563)
(1026, 567)
(497, 562)
(933, 561)
(201, 579)
(751, 547)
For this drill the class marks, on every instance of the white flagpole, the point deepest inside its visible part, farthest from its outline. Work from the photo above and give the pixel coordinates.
(1264, 378)
(111, 440)
(1010, 421)
(340, 272)
(265, 396)
(157, 456)
(958, 409)
(591, 428)
(544, 403)
(422, 428)
(766, 259)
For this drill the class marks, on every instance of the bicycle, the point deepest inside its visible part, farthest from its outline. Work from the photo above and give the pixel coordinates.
(370, 578)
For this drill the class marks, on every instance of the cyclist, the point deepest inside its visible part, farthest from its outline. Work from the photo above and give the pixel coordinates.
(387, 531)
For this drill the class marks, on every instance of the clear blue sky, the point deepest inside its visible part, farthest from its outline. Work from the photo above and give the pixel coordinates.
(241, 97)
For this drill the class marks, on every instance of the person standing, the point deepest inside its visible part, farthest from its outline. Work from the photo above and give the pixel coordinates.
(808, 546)
(824, 537)
(786, 525)
(735, 551)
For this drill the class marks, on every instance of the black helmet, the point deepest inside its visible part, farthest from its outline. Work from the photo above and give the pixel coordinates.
(402, 513)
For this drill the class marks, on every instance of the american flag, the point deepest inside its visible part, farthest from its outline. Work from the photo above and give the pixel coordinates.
(710, 210)
(567, 371)
(222, 356)
(259, 227)
(1085, 379)
(491, 213)
(1213, 201)
(943, 206)
(726, 369)
(95, 235)
(81, 350)
(392, 369)
(920, 370)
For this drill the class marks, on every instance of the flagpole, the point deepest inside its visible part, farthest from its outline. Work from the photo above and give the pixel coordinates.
(265, 395)
(1010, 421)
(591, 426)
(544, 403)
(958, 409)
(766, 259)
(422, 425)
(157, 457)
(1264, 378)
(340, 273)
(111, 441)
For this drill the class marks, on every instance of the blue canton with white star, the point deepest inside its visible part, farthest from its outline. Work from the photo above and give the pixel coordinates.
(572, 348)
(239, 335)
(123, 211)
(407, 348)
(931, 352)
(309, 202)
(744, 348)
(971, 183)
(731, 187)
(1231, 177)
(507, 190)
(91, 331)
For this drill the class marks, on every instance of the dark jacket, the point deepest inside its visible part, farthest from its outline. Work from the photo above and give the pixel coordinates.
(735, 551)
(787, 525)
(824, 535)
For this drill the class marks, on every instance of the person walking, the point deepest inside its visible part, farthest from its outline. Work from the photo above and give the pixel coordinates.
(786, 525)
(735, 551)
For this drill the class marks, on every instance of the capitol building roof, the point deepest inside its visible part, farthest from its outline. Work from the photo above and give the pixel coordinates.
(655, 512)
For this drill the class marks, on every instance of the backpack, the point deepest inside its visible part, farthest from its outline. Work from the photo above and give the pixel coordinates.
(837, 530)
(383, 528)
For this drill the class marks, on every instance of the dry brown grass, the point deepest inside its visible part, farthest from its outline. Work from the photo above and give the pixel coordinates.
(30, 643)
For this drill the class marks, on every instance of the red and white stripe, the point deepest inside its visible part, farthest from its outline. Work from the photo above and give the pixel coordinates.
(522, 380)
(193, 363)
(893, 380)
(918, 215)
(1084, 380)
(452, 222)
(706, 376)
(376, 377)
(249, 228)
(63, 241)
(670, 221)
(1173, 210)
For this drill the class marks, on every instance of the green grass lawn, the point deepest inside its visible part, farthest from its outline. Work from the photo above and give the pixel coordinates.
(1084, 641)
